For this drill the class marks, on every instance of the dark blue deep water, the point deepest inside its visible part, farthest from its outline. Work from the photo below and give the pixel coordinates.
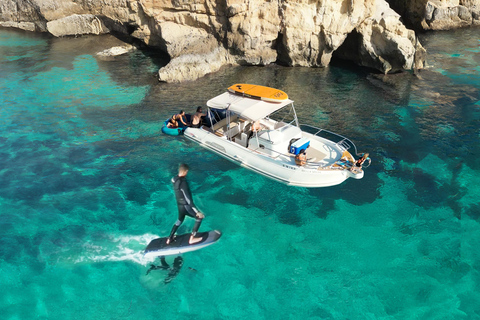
(84, 186)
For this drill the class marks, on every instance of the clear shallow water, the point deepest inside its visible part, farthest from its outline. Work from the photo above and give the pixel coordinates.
(84, 185)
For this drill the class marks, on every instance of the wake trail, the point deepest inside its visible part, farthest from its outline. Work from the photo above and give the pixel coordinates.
(118, 248)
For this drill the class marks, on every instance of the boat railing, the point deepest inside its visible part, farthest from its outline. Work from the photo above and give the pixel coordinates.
(343, 142)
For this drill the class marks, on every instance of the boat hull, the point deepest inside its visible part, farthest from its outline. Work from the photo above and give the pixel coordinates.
(282, 169)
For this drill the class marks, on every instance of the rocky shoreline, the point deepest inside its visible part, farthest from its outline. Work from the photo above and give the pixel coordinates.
(202, 36)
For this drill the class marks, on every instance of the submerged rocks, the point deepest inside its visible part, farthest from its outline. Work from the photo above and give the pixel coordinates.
(116, 51)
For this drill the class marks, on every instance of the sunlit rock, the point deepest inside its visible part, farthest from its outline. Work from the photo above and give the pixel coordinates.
(206, 34)
(438, 14)
(116, 51)
(75, 25)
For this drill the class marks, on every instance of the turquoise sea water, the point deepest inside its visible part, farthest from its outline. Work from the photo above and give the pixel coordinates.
(84, 186)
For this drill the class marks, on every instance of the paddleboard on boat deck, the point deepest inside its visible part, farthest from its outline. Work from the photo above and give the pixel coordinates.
(179, 244)
(258, 92)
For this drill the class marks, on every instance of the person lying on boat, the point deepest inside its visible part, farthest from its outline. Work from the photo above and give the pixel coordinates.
(360, 161)
(197, 118)
(185, 204)
(357, 167)
(175, 119)
(301, 158)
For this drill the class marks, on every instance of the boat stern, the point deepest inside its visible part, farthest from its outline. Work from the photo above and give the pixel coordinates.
(355, 172)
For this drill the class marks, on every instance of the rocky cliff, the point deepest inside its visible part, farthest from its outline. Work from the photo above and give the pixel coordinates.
(438, 14)
(200, 36)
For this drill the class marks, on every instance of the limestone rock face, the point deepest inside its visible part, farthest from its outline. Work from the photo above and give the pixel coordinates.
(202, 35)
(193, 66)
(438, 14)
(22, 15)
(311, 32)
(252, 30)
(386, 44)
(380, 41)
(76, 24)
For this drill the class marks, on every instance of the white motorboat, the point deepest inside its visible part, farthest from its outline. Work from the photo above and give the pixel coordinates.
(271, 151)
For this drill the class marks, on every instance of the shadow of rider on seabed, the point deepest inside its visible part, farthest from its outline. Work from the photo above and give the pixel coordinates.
(172, 271)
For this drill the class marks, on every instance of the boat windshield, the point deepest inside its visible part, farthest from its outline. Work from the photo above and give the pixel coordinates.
(216, 115)
(286, 115)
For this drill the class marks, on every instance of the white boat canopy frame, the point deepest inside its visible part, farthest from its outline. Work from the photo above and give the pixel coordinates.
(248, 108)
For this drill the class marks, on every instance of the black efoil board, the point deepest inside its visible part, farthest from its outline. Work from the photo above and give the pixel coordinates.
(159, 247)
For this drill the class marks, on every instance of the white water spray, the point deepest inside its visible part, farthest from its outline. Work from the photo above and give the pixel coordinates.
(120, 248)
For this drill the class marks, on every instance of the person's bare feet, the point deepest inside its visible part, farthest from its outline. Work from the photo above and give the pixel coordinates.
(194, 240)
(168, 241)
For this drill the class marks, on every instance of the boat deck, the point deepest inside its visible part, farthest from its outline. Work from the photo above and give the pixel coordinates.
(314, 155)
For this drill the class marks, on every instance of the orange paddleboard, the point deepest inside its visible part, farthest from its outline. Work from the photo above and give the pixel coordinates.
(258, 92)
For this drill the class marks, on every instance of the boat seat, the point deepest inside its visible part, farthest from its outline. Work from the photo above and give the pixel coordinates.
(315, 154)
(241, 139)
(223, 123)
(219, 124)
(248, 127)
(242, 124)
(233, 131)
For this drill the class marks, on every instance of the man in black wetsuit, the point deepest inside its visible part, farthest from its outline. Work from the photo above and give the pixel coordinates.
(185, 204)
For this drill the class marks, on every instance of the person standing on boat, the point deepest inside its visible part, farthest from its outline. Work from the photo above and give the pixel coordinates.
(256, 127)
(185, 204)
(173, 121)
(197, 118)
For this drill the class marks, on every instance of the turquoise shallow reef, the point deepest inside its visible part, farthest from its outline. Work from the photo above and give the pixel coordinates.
(85, 185)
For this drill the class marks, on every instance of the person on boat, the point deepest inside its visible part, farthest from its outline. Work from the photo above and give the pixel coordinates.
(256, 127)
(361, 160)
(197, 118)
(175, 119)
(301, 158)
(185, 204)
